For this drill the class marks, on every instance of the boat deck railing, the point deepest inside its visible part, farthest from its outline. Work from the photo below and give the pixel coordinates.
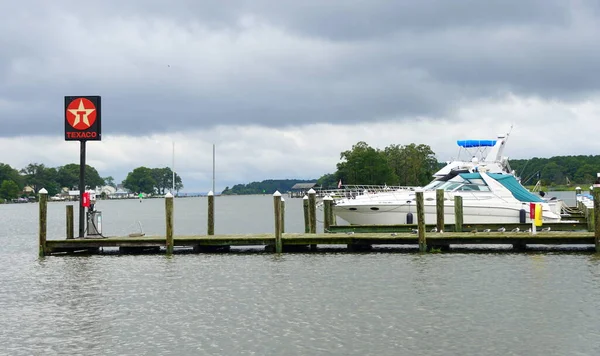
(352, 191)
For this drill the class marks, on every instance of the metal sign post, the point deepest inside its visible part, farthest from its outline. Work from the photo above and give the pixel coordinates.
(82, 123)
(81, 187)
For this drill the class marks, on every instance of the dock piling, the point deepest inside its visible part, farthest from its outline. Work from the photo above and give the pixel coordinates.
(43, 202)
(327, 202)
(70, 223)
(596, 214)
(282, 215)
(312, 214)
(169, 222)
(277, 211)
(306, 218)
(421, 222)
(439, 208)
(458, 214)
(312, 210)
(211, 214)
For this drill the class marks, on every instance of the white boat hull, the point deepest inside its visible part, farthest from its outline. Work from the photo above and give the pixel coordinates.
(392, 214)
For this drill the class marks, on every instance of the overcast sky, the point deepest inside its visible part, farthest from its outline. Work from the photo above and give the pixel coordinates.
(282, 87)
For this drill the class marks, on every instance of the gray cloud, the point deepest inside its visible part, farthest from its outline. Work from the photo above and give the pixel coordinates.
(194, 64)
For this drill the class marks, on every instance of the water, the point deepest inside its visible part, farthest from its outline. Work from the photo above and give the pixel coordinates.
(331, 303)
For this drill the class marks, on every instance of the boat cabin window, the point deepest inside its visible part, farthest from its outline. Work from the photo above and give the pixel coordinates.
(474, 187)
(449, 185)
(432, 185)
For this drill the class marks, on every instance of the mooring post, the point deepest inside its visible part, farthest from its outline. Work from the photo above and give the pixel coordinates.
(589, 216)
(458, 214)
(439, 208)
(169, 222)
(282, 215)
(312, 210)
(312, 214)
(277, 211)
(327, 202)
(211, 213)
(70, 224)
(332, 219)
(596, 195)
(306, 218)
(43, 201)
(421, 222)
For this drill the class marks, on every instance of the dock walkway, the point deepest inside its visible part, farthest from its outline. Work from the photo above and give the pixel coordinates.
(291, 241)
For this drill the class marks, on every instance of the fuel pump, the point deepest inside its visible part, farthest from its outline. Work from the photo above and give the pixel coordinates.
(94, 219)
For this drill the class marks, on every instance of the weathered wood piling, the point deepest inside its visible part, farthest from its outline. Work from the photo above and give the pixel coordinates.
(596, 195)
(421, 222)
(43, 214)
(210, 230)
(458, 214)
(282, 215)
(327, 213)
(306, 217)
(312, 210)
(277, 213)
(312, 214)
(439, 208)
(169, 222)
(70, 224)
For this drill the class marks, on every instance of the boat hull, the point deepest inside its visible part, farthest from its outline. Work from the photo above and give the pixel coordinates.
(392, 214)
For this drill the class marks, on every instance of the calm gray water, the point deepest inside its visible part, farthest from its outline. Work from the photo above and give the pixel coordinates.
(330, 303)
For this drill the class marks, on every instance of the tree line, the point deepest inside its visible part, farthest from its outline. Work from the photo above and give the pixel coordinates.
(268, 186)
(37, 176)
(558, 170)
(406, 165)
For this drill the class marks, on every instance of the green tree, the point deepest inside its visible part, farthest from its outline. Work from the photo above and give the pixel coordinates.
(365, 165)
(164, 180)
(328, 180)
(419, 164)
(9, 190)
(268, 186)
(68, 176)
(586, 173)
(110, 181)
(38, 176)
(140, 180)
(9, 173)
(552, 173)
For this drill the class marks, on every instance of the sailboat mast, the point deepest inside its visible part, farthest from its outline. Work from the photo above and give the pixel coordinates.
(213, 185)
(173, 169)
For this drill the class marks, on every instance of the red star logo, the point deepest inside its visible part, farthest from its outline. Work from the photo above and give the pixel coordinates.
(81, 114)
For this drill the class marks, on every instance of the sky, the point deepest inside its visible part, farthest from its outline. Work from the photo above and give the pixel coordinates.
(281, 88)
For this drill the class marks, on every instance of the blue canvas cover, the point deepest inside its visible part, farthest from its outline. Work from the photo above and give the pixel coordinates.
(510, 183)
(476, 143)
(517, 190)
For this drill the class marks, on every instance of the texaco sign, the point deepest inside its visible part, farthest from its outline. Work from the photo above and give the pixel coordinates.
(82, 118)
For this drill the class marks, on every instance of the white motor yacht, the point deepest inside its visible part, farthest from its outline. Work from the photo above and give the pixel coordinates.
(490, 191)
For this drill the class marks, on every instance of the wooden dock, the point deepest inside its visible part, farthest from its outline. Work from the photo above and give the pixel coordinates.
(296, 242)
(355, 238)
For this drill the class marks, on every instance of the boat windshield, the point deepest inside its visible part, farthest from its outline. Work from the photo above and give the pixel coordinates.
(449, 185)
(459, 183)
(458, 180)
(433, 184)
